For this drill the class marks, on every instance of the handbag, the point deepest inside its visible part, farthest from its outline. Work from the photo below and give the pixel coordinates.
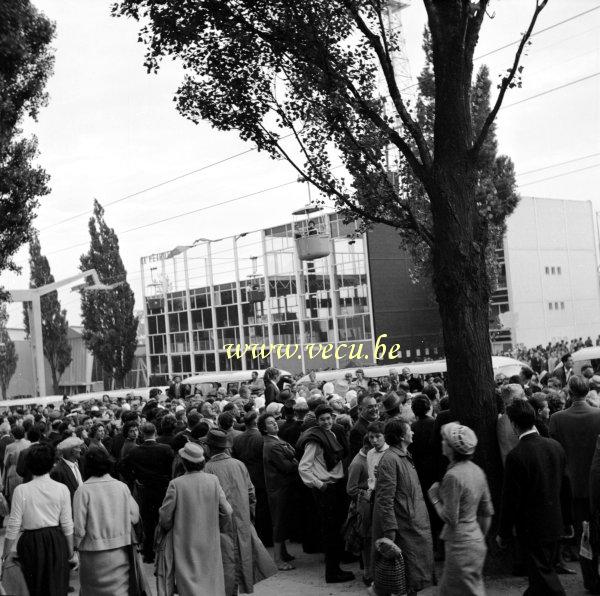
(389, 571)
(12, 580)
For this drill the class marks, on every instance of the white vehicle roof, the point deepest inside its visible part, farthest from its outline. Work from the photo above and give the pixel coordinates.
(141, 392)
(230, 376)
(500, 364)
(592, 353)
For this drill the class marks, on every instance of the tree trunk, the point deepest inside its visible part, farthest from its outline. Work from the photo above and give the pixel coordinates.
(460, 276)
(55, 380)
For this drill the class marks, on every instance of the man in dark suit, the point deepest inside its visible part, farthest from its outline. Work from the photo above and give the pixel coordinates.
(577, 429)
(148, 468)
(536, 500)
(248, 448)
(564, 370)
(368, 411)
(177, 390)
(66, 469)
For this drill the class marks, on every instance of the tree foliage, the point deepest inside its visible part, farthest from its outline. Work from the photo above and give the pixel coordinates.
(25, 66)
(110, 327)
(8, 354)
(57, 349)
(323, 74)
(495, 194)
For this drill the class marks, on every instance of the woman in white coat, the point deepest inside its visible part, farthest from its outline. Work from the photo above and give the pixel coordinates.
(103, 512)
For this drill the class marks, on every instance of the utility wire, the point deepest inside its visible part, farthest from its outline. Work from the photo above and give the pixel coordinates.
(560, 163)
(513, 43)
(515, 103)
(559, 175)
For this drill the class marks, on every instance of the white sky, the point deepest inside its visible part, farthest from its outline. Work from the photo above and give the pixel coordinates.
(111, 130)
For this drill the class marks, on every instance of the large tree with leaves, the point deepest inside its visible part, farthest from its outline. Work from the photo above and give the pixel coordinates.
(57, 349)
(312, 70)
(8, 353)
(25, 65)
(110, 327)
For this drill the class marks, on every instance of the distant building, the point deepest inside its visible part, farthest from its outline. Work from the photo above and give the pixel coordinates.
(255, 288)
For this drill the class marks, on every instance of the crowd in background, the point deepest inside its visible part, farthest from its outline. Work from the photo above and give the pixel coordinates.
(374, 470)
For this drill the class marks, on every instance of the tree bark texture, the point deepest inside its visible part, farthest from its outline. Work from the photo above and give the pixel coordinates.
(460, 277)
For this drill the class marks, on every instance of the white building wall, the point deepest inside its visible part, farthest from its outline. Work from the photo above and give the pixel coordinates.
(552, 271)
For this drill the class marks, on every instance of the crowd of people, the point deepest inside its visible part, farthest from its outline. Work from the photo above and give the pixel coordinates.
(374, 470)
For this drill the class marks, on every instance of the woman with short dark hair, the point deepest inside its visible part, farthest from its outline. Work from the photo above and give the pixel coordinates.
(41, 510)
(399, 510)
(103, 512)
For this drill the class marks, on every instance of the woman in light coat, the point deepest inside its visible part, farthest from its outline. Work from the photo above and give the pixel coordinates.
(463, 502)
(191, 510)
(103, 513)
(11, 457)
(399, 510)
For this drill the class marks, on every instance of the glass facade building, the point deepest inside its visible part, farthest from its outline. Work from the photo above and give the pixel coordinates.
(253, 290)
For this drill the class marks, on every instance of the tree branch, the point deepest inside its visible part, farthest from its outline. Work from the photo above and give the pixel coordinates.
(388, 71)
(506, 81)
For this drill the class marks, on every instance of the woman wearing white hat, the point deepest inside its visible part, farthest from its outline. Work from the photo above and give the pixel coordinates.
(463, 502)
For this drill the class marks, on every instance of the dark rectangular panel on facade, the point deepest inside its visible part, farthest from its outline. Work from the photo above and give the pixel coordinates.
(405, 311)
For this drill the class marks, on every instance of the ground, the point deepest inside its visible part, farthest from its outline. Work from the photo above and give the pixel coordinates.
(308, 579)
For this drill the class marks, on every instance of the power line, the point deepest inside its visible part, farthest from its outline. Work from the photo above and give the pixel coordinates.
(590, 76)
(513, 43)
(560, 163)
(153, 223)
(560, 175)
(149, 188)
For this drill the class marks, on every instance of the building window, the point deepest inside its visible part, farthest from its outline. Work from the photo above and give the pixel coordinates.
(553, 270)
(549, 305)
(562, 306)
(556, 306)
(418, 353)
(547, 270)
(558, 271)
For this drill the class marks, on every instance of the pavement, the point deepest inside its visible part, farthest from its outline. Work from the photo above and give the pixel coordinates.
(309, 579)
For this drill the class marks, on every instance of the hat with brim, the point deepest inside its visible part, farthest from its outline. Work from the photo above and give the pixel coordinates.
(461, 438)
(69, 443)
(192, 452)
(216, 438)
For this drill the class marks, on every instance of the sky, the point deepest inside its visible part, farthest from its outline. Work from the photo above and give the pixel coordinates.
(111, 130)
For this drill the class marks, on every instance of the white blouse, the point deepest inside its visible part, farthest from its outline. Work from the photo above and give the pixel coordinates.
(40, 503)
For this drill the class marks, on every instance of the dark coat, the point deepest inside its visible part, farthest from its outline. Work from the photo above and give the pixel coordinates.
(357, 434)
(62, 473)
(577, 429)
(271, 393)
(248, 448)
(150, 464)
(420, 450)
(184, 390)
(536, 497)
(290, 431)
(279, 462)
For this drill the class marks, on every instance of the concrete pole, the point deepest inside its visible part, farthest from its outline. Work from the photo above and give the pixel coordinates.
(35, 324)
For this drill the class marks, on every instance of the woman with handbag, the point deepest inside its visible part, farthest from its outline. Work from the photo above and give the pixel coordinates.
(41, 510)
(399, 510)
(103, 513)
(463, 502)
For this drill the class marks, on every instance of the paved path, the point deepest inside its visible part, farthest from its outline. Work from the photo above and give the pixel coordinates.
(309, 579)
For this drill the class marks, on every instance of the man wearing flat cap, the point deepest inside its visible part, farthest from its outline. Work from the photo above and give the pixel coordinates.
(66, 470)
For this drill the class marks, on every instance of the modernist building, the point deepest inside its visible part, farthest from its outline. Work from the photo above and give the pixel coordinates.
(354, 290)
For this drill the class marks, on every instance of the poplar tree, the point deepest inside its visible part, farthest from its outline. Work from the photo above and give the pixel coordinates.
(8, 354)
(57, 349)
(110, 326)
(26, 63)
